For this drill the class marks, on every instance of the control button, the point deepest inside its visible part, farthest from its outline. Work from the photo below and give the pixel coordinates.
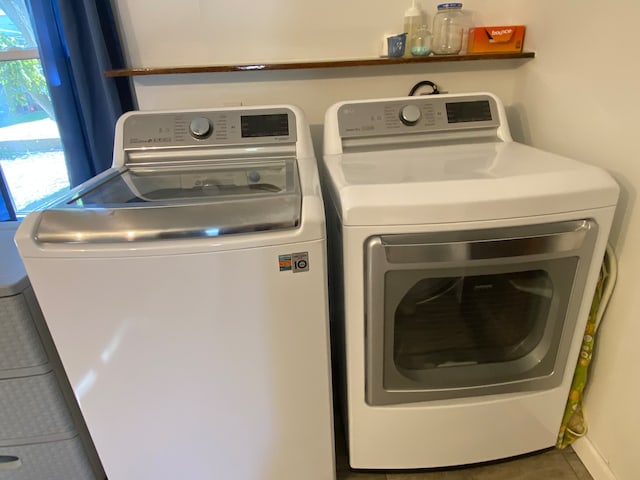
(200, 127)
(410, 114)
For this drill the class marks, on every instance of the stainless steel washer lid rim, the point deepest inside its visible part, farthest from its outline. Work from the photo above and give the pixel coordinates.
(135, 205)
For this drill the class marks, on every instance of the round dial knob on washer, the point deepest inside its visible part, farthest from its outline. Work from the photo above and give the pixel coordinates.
(410, 114)
(200, 127)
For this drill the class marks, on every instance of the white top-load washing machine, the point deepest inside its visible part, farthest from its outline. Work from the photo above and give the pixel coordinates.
(462, 272)
(185, 289)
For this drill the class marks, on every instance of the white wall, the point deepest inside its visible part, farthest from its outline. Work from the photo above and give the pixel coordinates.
(159, 33)
(579, 97)
(312, 90)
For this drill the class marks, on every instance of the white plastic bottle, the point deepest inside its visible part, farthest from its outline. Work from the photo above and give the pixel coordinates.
(412, 22)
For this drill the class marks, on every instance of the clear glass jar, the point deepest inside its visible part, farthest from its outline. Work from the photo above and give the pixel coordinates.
(420, 44)
(448, 29)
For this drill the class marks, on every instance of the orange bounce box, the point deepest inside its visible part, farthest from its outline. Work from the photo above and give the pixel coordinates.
(496, 39)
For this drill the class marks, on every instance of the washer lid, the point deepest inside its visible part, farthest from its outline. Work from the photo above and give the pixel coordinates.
(457, 183)
(174, 201)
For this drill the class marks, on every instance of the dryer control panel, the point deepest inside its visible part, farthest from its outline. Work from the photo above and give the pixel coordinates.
(417, 115)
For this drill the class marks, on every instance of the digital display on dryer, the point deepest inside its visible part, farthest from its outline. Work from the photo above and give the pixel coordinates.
(272, 125)
(476, 111)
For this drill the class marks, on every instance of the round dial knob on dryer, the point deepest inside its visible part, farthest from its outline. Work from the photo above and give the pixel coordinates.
(200, 127)
(410, 114)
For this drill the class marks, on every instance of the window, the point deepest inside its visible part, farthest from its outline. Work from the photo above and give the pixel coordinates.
(31, 154)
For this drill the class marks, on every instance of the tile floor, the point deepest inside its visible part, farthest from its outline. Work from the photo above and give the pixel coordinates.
(550, 464)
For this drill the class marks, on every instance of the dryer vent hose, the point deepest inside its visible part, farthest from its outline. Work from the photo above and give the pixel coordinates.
(424, 83)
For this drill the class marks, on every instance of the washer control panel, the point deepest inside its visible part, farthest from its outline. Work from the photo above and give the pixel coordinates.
(145, 130)
(417, 115)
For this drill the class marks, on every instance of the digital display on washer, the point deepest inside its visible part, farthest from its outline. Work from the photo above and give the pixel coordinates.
(272, 125)
(477, 111)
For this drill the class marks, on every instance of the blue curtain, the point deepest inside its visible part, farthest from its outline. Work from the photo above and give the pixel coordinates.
(6, 207)
(77, 40)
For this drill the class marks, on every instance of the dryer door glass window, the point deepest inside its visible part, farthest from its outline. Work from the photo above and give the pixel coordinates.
(469, 320)
(472, 313)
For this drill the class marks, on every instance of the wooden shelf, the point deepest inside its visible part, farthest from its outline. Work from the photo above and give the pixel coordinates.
(131, 72)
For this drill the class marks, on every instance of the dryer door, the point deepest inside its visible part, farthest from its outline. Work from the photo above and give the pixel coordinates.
(472, 313)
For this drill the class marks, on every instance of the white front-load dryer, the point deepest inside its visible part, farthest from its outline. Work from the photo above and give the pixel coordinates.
(185, 289)
(463, 267)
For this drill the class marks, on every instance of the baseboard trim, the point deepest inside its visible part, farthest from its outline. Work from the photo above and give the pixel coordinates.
(593, 461)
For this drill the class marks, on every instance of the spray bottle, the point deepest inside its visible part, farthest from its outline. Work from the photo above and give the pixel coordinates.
(412, 22)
